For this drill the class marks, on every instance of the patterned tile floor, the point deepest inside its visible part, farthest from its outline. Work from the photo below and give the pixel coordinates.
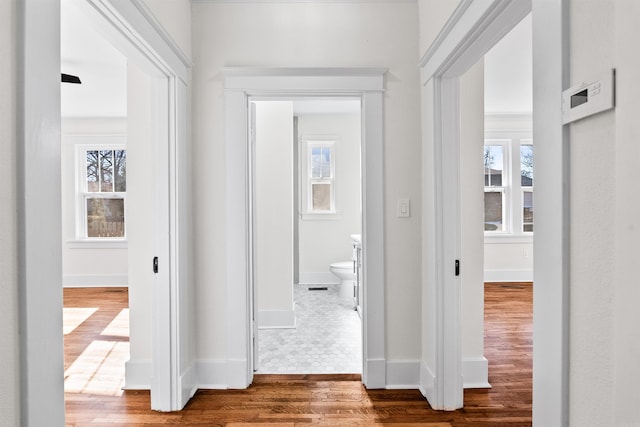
(327, 337)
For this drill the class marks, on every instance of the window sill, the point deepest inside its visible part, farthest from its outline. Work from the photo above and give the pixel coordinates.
(318, 216)
(98, 244)
(508, 238)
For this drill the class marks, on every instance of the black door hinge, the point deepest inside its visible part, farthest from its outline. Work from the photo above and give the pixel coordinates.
(155, 264)
(457, 267)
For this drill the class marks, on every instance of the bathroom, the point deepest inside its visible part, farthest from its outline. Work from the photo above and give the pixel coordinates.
(307, 217)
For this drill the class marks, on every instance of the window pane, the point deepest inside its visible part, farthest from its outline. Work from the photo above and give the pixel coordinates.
(93, 181)
(106, 171)
(316, 162)
(526, 165)
(527, 211)
(326, 162)
(105, 217)
(321, 162)
(493, 211)
(321, 194)
(120, 169)
(493, 165)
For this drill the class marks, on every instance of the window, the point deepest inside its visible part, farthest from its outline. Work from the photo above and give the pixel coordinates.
(321, 179)
(102, 188)
(508, 186)
(526, 184)
(318, 176)
(494, 191)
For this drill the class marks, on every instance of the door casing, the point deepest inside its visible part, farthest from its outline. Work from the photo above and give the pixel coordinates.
(473, 29)
(240, 85)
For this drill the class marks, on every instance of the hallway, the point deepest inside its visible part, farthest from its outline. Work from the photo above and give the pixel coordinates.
(328, 399)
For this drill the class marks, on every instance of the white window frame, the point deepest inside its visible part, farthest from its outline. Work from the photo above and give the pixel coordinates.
(307, 181)
(505, 188)
(82, 193)
(525, 189)
(513, 198)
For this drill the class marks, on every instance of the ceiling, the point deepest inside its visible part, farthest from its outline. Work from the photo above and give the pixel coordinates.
(508, 72)
(103, 71)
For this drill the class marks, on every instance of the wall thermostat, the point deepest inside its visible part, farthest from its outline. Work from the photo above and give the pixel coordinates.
(586, 99)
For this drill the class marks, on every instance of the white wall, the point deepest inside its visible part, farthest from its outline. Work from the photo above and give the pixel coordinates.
(323, 241)
(625, 303)
(87, 264)
(139, 226)
(306, 34)
(175, 17)
(475, 368)
(274, 213)
(605, 346)
(9, 356)
(433, 15)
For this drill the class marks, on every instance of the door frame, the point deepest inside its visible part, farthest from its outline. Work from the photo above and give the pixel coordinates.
(38, 154)
(475, 27)
(254, 295)
(240, 85)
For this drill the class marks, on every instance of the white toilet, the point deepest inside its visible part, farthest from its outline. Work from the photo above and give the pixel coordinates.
(344, 271)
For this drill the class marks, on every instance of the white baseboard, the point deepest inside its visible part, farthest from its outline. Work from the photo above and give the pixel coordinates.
(95, 281)
(427, 383)
(403, 374)
(508, 275)
(211, 374)
(189, 386)
(475, 373)
(237, 374)
(318, 278)
(138, 374)
(376, 373)
(276, 319)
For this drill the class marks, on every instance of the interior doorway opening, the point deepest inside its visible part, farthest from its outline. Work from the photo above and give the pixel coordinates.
(306, 235)
(95, 267)
(241, 84)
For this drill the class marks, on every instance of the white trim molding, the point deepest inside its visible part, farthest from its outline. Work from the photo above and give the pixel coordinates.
(508, 275)
(403, 374)
(138, 374)
(276, 319)
(241, 84)
(95, 281)
(211, 374)
(427, 384)
(475, 372)
(318, 278)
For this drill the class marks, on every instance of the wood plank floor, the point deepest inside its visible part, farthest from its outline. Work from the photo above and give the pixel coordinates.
(322, 400)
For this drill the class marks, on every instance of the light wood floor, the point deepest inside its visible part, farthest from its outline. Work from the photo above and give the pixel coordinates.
(296, 400)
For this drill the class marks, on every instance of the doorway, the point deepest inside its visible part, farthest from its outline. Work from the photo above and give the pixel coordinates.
(446, 61)
(240, 85)
(306, 207)
(95, 264)
(40, 301)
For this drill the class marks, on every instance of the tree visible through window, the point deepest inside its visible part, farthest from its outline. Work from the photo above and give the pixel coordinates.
(321, 177)
(504, 180)
(526, 183)
(105, 187)
(494, 191)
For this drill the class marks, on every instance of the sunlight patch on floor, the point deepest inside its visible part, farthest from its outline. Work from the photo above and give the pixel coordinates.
(119, 326)
(75, 316)
(98, 370)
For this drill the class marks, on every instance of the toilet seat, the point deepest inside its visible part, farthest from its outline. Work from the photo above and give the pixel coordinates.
(343, 265)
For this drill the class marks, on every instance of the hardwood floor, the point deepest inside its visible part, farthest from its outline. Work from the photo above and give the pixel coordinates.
(322, 400)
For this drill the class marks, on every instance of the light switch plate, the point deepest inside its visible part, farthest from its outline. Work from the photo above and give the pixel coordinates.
(404, 208)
